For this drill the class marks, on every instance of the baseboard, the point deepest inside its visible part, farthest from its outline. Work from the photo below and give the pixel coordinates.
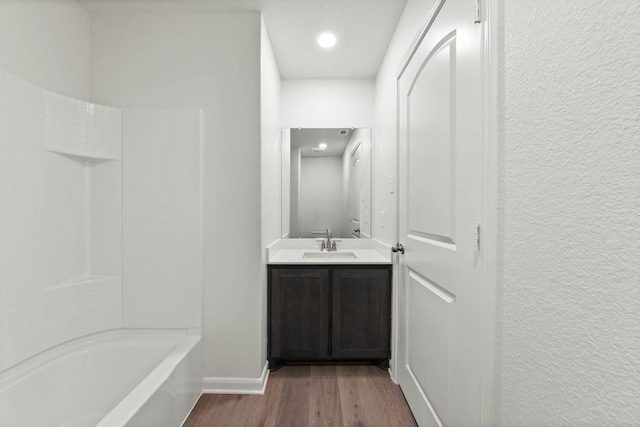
(237, 385)
(392, 373)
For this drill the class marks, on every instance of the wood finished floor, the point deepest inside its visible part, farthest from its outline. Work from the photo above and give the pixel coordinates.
(299, 396)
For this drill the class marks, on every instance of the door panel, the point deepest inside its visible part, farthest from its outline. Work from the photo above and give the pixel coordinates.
(429, 333)
(432, 166)
(440, 172)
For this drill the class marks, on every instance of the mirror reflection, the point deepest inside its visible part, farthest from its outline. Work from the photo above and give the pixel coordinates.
(326, 183)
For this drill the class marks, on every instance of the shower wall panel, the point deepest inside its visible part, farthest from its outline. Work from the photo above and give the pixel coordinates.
(162, 282)
(48, 291)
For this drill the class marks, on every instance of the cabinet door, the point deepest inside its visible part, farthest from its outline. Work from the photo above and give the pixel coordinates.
(361, 313)
(299, 314)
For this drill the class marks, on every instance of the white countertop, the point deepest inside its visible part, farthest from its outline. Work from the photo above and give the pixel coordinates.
(307, 251)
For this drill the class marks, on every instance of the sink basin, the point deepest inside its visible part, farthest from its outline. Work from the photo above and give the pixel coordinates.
(333, 255)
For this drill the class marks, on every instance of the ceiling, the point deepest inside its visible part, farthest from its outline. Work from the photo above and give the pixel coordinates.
(364, 29)
(306, 139)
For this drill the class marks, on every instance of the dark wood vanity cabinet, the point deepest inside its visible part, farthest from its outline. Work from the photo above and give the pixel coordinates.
(299, 313)
(360, 313)
(329, 313)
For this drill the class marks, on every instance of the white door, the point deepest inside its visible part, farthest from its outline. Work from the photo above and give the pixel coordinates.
(440, 167)
(355, 192)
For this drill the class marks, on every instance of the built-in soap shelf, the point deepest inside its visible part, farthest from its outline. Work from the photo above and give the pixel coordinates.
(66, 125)
(85, 156)
(93, 280)
(80, 128)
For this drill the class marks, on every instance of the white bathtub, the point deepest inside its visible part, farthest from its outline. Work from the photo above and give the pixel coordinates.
(111, 379)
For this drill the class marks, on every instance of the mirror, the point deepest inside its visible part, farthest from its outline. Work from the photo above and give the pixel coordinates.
(326, 182)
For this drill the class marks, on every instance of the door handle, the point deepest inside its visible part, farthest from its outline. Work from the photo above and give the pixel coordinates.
(356, 230)
(398, 248)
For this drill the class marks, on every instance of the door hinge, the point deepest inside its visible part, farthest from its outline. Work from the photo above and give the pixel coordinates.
(478, 20)
(476, 236)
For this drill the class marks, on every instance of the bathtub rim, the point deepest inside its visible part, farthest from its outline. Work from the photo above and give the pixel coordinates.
(13, 373)
(130, 403)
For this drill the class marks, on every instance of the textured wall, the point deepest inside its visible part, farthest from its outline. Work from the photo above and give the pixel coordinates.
(569, 303)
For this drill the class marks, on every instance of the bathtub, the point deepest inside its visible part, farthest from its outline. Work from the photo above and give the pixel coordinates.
(117, 378)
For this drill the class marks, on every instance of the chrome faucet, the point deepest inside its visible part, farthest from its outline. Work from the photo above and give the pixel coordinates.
(328, 244)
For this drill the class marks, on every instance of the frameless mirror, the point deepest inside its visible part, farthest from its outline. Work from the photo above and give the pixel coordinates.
(326, 183)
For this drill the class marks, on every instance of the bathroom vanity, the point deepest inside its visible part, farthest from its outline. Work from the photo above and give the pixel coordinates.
(329, 306)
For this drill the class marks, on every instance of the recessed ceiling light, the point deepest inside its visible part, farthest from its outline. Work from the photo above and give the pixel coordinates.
(326, 39)
(323, 145)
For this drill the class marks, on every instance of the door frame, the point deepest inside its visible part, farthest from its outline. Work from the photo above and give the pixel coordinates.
(489, 13)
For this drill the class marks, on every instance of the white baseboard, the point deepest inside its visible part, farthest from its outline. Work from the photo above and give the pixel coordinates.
(237, 385)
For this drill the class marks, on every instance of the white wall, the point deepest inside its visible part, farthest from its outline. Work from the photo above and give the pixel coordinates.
(327, 103)
(47, 43)
(286, 183)
(271, 163)
(210, 61)
(569, 303)
(294, 187)
(320, 195)
(271, 141)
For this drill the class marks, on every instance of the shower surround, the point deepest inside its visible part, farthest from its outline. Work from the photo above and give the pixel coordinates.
(100, 220)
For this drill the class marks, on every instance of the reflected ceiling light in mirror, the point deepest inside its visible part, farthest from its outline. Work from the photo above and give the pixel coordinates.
(326, 39)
